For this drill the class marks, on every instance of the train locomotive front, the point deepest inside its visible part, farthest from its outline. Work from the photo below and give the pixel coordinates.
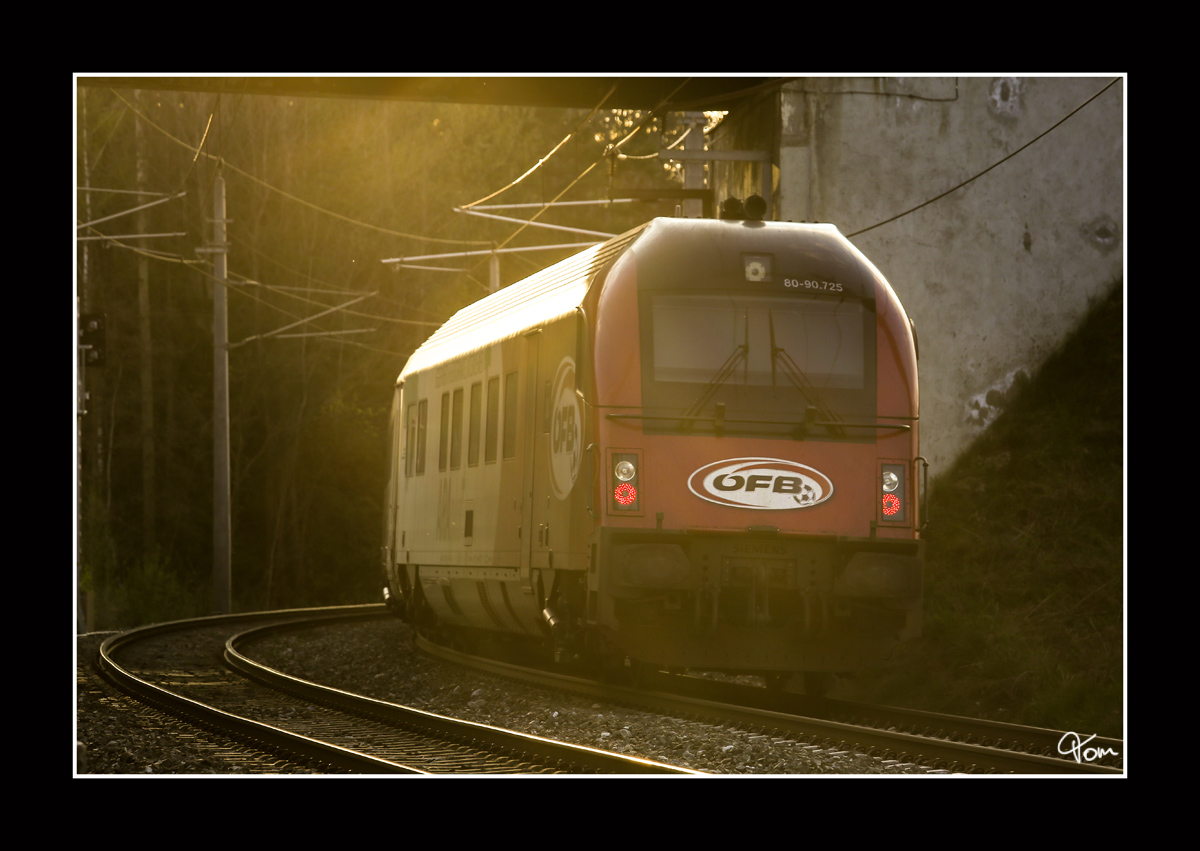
(694, 446)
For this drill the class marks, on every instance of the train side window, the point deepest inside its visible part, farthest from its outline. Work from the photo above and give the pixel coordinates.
(493, 420)
(456, 431)
(422, 417)
(410, 438)
(444, 432)
(473, 431)
(510, 415)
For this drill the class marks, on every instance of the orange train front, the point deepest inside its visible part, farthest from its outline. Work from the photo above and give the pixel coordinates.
(693, 446)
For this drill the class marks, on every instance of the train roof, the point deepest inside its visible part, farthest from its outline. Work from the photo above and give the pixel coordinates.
(550, 294)
(558, 290)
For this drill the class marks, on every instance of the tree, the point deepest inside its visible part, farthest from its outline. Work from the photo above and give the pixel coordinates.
(319, 192)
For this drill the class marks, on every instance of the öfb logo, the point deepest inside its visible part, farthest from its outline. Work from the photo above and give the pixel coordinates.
(771, 484)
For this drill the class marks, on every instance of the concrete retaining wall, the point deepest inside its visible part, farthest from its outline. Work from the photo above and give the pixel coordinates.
(996, 273)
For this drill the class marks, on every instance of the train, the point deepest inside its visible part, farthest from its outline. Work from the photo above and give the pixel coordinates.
(693, 447)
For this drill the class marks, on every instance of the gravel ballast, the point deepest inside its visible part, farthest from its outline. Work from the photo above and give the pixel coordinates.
(378, 659)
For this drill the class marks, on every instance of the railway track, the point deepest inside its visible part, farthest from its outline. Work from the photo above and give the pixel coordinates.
(192, 670)
(1004, 746)
(202, 672)
(942, 742)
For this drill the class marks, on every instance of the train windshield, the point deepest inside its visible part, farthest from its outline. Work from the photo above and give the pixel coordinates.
(768, 359)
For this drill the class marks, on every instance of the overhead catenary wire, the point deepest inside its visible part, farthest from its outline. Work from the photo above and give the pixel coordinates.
(293, 292)
(608, 151)
(219, 160)
(168, 256)
(553, 151)
(238, 283)
(291, 197)
(302, 321)
(537, 224)
(305, 276)
(479, 204)
(124, 191)
(560, 203)
(546, 158)
(200, 265)
(130, 210)
(233, 282)
(654, 156)
(197, 150)
(128, 236)
(401, 262)
(488, 251)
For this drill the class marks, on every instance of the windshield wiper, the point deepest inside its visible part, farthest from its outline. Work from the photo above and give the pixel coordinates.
(714, 383)
(796, 376)
(740, 354)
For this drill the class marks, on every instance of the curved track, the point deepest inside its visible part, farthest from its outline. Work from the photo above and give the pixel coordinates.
(187, 669)
(179, 669)
(947, 742)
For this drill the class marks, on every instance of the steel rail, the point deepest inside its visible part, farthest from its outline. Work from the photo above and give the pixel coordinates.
(955, 755)
(995, 735)
(253, 732)
(577, 758)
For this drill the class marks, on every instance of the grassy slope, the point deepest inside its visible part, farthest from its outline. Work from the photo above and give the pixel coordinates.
(1024, 582)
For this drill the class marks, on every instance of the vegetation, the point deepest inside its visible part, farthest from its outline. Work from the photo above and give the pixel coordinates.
(1025, 570)
(319, 192)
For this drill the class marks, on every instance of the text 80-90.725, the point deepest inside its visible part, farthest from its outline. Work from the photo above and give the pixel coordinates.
(827, 286)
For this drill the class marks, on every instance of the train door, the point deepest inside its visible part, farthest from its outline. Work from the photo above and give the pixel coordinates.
(529, 449)
(391, 497)
(557, 448)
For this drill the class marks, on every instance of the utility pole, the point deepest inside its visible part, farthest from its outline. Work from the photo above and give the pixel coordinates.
(146, 364)
(697, 158)
(693, 169)
(83, 613)
(222, 545)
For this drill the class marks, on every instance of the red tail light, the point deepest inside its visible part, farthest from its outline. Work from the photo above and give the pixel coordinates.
(893, 486)
(624, 482)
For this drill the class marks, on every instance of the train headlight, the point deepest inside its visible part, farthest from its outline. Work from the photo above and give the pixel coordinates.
(893, 503)
(757, 267)
(624, 484)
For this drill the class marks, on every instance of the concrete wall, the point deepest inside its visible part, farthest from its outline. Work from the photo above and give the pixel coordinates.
(994, 274)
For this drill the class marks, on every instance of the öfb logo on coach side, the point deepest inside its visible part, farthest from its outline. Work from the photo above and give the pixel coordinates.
(771, 484)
